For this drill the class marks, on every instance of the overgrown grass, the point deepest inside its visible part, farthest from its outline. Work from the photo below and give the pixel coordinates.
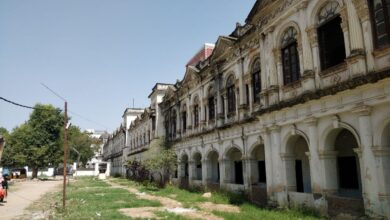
(248, 211)
(89, 198)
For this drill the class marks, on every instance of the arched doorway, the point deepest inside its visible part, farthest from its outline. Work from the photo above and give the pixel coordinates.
(197, 169)
(348, 168)
(213, 174)
(234, 166)
(298, 165)
(258, 175)
(184, 171)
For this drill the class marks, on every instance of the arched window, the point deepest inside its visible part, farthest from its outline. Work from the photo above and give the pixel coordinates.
(231, 96)
(196, 112)
(184, 119)
(330, 36)
(290, 57)
(211, 104)
(173, 123)
(380, 16)
(256, 81)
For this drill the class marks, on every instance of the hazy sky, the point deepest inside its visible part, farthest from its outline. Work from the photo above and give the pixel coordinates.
(100, 54)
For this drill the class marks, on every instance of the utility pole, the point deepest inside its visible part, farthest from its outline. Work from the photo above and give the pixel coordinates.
(65, 141)
(65, 153)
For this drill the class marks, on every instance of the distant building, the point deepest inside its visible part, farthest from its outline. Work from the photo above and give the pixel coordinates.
(102, 135)
(116, 142)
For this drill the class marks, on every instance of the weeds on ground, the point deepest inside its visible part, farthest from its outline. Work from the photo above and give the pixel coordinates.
(249, 211)
(89, 198)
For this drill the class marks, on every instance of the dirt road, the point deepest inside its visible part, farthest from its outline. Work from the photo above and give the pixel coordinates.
(23, 195)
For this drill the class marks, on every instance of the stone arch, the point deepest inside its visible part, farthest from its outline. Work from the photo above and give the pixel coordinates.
(226, 151)
(184, 165)
(382, 140)
(233, 165)
(284, 28)
(228, 76)
(293, 132)
(313, 17)
(342, 164)
(212, 163)
(297, 163)
(196, 164)
(382, 153)
(329, 134)
(257, 163)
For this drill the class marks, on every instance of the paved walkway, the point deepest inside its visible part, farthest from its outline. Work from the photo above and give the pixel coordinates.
(23, 195)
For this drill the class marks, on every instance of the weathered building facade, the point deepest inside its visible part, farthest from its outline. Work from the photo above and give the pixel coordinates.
(115, 145)
(292, 108)
(147, 127)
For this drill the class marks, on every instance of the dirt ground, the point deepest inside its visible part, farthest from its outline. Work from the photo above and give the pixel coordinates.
(23, 194)
(173, 206)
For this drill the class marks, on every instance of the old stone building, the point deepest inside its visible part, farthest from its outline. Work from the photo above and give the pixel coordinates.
(292, 108)
(115, 145)
(147, 127)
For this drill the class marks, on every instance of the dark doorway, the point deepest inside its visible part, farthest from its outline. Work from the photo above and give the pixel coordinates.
(239, 178)
(186, 174)
(348, 176)
(331, 41)
(261, 168)
(299, 175)
(218, 172)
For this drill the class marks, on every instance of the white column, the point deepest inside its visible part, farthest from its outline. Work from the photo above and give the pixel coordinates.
(250, 97)
(268, 160)
(307, 56)
(206, 171)
(225, 106)
(355, 30)
(315, 167)
(278, 184)
(367, 161)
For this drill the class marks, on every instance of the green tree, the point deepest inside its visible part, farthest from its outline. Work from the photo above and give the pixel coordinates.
(83, 143)
(161, 159)
(36, 143)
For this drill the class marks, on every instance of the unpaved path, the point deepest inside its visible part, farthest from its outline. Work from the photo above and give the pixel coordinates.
(173, 206)
(23, 195)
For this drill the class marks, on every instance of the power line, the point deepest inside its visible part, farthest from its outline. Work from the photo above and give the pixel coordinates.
(89, 120)
(52, 91)
(26, 106)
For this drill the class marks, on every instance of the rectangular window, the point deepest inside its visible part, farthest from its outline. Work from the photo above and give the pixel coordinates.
(380, 17)
(211, 108)
(247, 93)
(262, 175)
(331, 42)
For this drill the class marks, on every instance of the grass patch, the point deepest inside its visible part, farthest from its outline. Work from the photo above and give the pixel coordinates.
(250, 211)
(90, 198)
(190, 198)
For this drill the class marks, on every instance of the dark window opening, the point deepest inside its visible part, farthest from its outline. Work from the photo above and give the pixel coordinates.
(256, 83)
(196, 115)
(218, 175)
(299, 175)
(231, 99)
(184, 120)
(331, 41)
(211, 108)
(239, 177)
(186, 173)
(153, 123)
(247, 93)
(261, 168)
(380, 17)
(348, 175)
(291, 71)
